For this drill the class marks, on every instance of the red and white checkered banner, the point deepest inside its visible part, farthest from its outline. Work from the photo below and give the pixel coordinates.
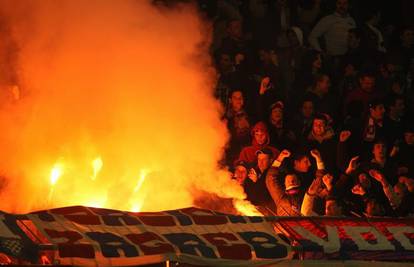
(91, 236)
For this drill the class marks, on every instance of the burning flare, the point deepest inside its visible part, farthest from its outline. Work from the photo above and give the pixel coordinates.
(109, 76)
(97, 166)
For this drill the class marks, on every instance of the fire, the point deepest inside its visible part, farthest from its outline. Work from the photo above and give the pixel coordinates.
(56, 173)
(246, 208)
(97, 166)
(142, 176)
(117, 88)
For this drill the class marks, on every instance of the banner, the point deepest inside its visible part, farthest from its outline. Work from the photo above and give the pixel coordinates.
(91, 236)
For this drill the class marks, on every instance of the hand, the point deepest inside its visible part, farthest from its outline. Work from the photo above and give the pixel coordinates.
(344, 135)
(284, 154)
(264, 85)
(377, 176)
(394, 151)
(327, 180)
(253, 175)
(353, 165)
(315, 186)
(358, 190)
(315, 153)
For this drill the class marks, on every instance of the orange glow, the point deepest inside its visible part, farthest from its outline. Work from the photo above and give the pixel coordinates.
(55, 173)
(97, 166)
(246, 208)
(123, 92)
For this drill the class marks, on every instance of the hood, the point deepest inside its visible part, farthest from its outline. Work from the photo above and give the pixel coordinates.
(260, 126)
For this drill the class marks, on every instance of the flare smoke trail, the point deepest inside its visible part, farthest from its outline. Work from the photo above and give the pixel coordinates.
(121, 83)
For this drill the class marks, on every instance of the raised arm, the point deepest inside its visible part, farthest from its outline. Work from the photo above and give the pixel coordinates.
(393, 198)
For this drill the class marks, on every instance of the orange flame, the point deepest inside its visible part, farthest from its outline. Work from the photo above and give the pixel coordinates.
(120, 84)
(97, 166)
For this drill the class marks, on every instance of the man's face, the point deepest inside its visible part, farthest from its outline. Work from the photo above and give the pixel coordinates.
(225, 62)
(407, 37)
(240, 174)
(324, 84)
(399, 107)
(291, 180)
(302, 165)
(353, 40)
(263, 161)
(318, 127)
(317, 63)
(377, 112)
(364, 181)
(332, 208)
(342, 6)
(307, 109)
(235, 29)
(277, 114)
(367, 83)
(260, 137)
(379, 150)
(400, 190)
(237, 101)
(409, 138)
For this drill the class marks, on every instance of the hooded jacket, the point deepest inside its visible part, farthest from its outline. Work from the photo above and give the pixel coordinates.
(248, 154)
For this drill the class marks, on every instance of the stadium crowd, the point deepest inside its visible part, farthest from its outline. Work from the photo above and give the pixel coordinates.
(319, 99)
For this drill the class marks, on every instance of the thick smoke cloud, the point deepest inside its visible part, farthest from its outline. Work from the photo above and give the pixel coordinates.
(122, 81)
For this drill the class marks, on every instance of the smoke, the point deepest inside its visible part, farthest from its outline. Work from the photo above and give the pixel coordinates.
(122, 83)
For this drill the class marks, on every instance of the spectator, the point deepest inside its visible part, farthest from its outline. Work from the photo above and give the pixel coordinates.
(280, 136)
(285, 15)
(290, 59)
(255, 186)
(374, 40)
(288, 198)
(312, 66)
(240, 173)
(404, 192)
(334, 28)
(404, 51)
(394, 118)
(260, 141)
(356, 102)
(321, 138)
(300, 165)
(302, 121)
(382, 161)
(308, 13)
(238, 123)
(405, 154)
(374, 125)
(324, 100)
(234, 42)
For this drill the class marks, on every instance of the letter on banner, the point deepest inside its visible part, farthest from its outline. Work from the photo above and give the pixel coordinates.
(191, 244)
(265, 245)
(330, 245)
(356, 233)
(150, 243)
(111, 244)
(399, 233)
(228, 249)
